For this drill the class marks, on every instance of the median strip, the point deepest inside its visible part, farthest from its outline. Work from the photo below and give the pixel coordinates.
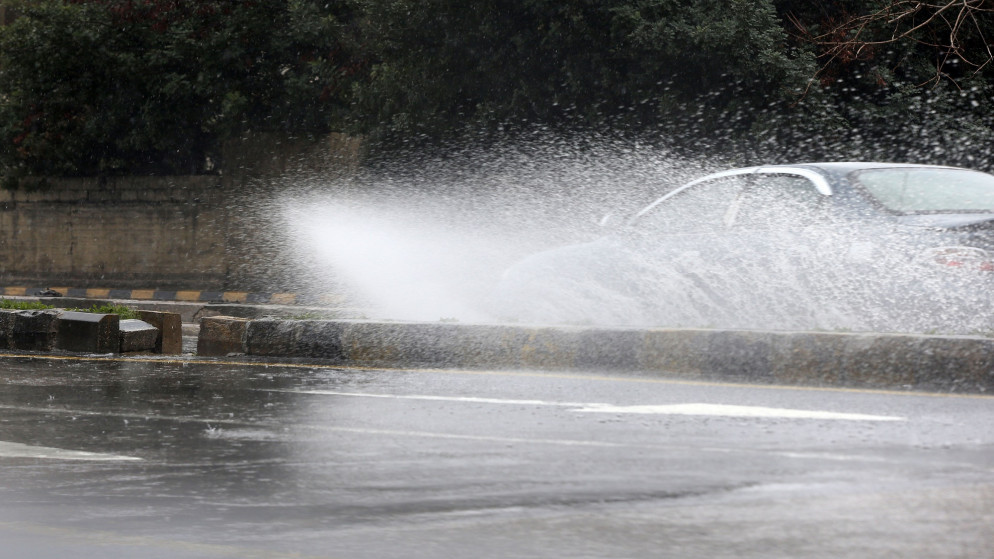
(903, 361)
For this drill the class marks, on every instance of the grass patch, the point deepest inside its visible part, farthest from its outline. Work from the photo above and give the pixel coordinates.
(120, 310)
(308, 316)
(14, 305)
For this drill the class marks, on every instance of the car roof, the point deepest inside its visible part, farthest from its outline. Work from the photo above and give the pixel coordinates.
(821, 174)
(846, 167)
(829, 171)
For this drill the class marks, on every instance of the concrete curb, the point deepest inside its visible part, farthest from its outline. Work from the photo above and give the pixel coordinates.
(192, 312)
(48, 330)
(937, 363)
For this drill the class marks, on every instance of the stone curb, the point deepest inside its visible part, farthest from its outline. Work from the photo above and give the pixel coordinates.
(192, 312)
(48, 330)
(938, 363)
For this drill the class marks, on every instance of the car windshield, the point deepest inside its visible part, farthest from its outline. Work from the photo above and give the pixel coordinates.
(929, 190)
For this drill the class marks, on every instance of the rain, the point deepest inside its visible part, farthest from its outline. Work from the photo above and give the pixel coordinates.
(496, 279)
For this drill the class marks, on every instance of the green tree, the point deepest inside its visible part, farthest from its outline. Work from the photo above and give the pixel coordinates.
(638, 63)
(112, 86)
(895, 80)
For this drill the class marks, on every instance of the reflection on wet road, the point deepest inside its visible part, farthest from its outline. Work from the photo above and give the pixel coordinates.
(160, 458)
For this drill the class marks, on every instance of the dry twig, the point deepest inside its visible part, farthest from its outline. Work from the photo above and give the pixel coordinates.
(946, 23)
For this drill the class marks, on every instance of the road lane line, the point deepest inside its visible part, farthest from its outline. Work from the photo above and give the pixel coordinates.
(697, 409)
(18, 450)
(467, 399)
(22, 452)
(724, 410)
(833, 456)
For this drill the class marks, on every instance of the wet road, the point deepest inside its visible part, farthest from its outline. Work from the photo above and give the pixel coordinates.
(177, 459)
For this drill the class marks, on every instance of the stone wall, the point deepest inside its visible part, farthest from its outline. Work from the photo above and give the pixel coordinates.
(209, 232)
(161, 231)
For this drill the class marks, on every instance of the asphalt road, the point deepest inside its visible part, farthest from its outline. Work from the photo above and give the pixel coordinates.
(184, 459)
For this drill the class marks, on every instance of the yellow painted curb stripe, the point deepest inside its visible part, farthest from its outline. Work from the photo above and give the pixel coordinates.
(283, 298)
(182, 295)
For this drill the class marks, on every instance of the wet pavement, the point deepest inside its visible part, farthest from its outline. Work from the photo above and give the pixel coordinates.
(190, 458)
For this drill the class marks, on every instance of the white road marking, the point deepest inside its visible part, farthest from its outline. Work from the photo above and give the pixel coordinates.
(713, 410)
(723, 410)
(8, 449)
(822, 456)
(468, 399)
(18, 450)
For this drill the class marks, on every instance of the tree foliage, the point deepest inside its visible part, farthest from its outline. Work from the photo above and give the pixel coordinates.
(111, 86)
(955, 34)
(443, 63)
(897, 79)
(108, 86)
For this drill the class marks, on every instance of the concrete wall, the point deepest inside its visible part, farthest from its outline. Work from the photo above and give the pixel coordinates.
(168, 230)
(193, 232)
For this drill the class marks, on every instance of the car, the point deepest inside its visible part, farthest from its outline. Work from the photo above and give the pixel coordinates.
(838, 246)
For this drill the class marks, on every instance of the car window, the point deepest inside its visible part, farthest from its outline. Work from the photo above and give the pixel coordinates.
(700, 208)
(779, 202)
(926, 190)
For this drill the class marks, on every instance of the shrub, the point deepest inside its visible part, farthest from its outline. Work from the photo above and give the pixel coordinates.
(17, 305)
(120, 310)
(93, 87)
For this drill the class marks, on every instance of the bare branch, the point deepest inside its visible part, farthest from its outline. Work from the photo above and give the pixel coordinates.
(907, 19)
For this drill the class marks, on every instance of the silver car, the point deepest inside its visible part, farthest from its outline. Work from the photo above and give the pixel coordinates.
(859, 246)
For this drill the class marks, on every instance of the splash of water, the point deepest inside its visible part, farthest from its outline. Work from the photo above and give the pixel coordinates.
(433, 242)
(430, 242)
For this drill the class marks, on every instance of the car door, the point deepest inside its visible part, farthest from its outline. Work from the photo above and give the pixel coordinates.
(681, 243)
(780, 257)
